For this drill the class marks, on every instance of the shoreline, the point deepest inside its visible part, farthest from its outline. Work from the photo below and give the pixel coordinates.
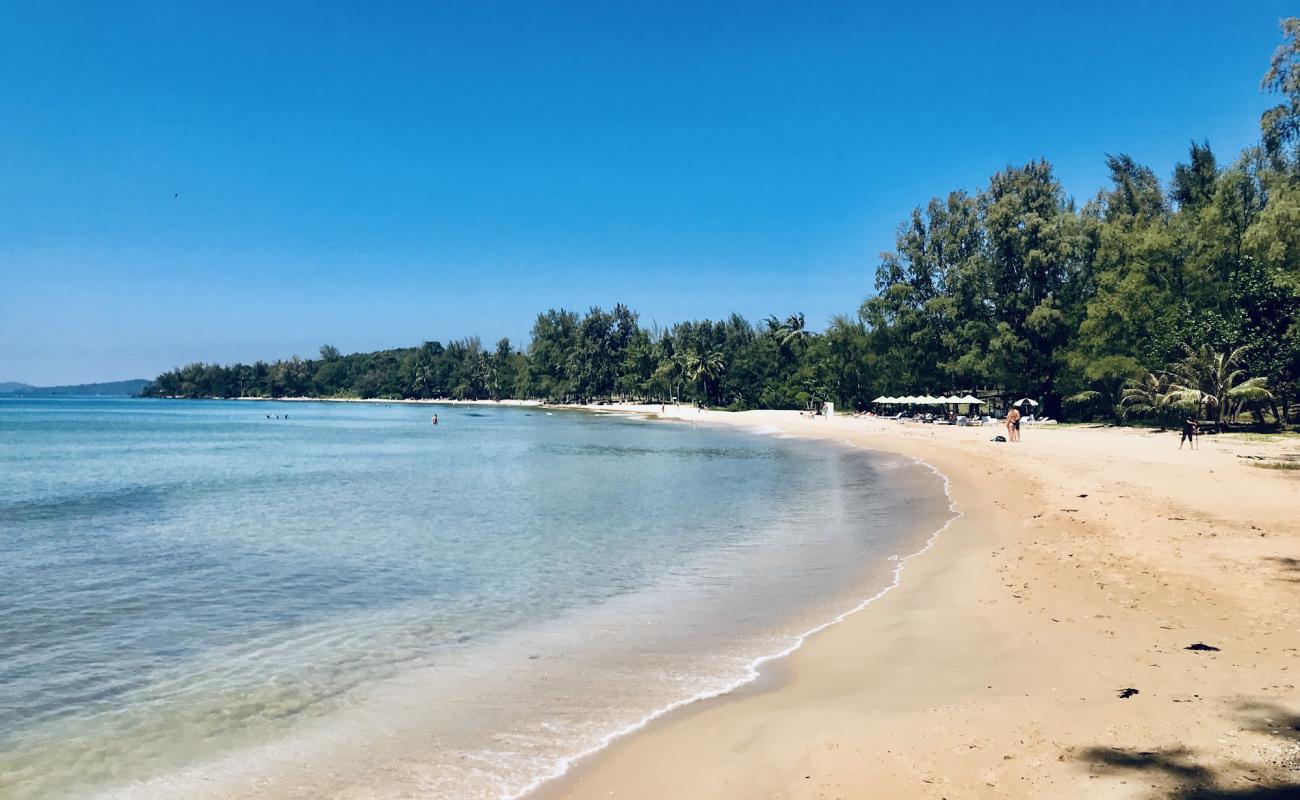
(220, 773)
(1078, 563)
(755, 743)
(757, 671)
(764, 671)
(376, 400)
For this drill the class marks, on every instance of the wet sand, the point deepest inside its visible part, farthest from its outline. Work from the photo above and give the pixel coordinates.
(1085, 563)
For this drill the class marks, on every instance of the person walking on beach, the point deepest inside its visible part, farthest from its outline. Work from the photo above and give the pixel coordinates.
(1191, 429)
(1013, 425)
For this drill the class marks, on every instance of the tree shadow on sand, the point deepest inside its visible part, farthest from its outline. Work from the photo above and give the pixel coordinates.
(1179, 773)
(1288, 567)
(1271, 719)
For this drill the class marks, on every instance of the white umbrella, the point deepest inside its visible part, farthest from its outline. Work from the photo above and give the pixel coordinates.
(931, 401)
(972, 400)
(953, 399)
(1024, 400)
(880, 399)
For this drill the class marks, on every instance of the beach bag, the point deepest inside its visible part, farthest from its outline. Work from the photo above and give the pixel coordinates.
(998, 439)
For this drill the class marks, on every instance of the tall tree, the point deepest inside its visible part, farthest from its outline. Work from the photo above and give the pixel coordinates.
(1280, 125)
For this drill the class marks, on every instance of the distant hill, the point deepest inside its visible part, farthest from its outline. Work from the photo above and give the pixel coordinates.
(131, 388)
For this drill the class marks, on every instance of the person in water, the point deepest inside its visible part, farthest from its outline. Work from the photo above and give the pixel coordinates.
(435, 419)
(1013, 425)
(1191, 429)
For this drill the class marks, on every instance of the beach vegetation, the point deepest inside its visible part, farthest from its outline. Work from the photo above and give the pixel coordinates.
(1211, 383)
(1146, 300)
(1149, 396)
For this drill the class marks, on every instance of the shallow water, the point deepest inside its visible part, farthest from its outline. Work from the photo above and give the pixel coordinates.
(199, 600)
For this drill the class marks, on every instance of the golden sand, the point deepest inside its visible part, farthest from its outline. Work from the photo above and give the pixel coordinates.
(1086, 562)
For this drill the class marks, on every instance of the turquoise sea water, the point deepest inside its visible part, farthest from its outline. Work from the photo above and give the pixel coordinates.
(260, 599)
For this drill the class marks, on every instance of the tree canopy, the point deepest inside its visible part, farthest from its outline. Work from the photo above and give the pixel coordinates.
(1009, 288)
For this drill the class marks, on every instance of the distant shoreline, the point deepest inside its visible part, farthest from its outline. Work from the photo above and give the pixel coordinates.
(373, 400)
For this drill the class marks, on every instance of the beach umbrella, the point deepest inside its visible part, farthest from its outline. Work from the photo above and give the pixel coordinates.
(881, 399)
(971, 400)
(953, 399)
(930, 401)
(1022, 401)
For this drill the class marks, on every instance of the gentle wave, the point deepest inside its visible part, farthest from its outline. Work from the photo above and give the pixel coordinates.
(476, 606)
(753, 670)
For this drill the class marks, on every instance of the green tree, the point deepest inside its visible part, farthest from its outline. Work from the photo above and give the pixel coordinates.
(1209, 381)
(705, 368)
(1148, 395)
(1280, 125)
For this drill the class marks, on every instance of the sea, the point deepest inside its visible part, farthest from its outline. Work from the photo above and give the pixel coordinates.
(326, 599)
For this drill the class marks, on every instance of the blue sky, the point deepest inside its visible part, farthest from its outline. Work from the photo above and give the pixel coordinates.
(230, 181)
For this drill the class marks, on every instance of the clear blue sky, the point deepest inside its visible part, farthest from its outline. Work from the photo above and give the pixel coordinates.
(221, 181)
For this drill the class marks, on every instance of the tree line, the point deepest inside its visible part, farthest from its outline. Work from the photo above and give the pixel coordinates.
(1150, 298)
(571, 358)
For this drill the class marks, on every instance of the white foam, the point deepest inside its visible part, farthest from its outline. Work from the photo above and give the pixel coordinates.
(752, 670)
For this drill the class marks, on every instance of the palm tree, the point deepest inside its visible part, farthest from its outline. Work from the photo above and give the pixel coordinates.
(1147, 395)
(1109, 376)
(671, 367)
(706, 368)
(1089, 396)
(1211, 380)
(794, 330)
(679, 363)
(422, 380)
(789, 332)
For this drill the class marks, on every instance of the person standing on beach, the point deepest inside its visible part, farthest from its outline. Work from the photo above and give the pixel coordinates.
(1013, 425)
(1191, 429)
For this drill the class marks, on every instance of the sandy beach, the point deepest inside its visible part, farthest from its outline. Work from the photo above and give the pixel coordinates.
(1109, 617)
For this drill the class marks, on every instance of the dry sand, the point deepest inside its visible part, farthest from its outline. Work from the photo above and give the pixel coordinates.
(1085, 563)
